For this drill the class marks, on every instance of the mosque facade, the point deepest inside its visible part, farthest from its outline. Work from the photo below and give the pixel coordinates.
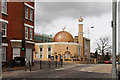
(64, 46)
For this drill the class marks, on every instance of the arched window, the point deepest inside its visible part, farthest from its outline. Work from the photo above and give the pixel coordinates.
(40, 49)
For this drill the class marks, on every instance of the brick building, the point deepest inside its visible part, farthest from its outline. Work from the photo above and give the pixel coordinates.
(17, 24)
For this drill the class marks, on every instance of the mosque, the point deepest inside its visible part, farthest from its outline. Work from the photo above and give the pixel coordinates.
(64, 46)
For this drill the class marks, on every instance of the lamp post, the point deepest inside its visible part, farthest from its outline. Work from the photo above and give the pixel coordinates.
(89, 31)
(0, 54)
(0, 45)
(114, 22)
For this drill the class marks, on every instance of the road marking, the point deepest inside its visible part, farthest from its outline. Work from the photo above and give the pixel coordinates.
(59, 69)
(82, 70)
(70, 72)
(89, 67)
(89, 71)
(56, 76)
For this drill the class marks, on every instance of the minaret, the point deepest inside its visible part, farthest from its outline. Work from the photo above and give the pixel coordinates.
(80, 35)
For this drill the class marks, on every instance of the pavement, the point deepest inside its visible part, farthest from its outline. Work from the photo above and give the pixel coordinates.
(67, 71)
(100, 68)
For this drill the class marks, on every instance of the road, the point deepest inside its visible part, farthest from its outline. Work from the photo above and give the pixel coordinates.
(67, 71)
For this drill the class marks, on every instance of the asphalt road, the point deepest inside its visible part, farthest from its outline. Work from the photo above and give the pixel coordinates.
(67, 71)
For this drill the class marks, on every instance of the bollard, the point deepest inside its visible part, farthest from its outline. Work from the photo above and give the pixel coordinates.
(25, 64)
(61, 63)
(40, 64)
(25, 67)
(29, 66)
(56, 63)
(49, 63)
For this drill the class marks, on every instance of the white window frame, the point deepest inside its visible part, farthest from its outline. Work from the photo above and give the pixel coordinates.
(4, 53)
(31, 31)
(31, 14)
(26, 32)
(26, 12)
(4, 29)
(16, 54)
(4, 6)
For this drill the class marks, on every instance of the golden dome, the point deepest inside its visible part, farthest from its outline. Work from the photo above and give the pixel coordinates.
(63, 36)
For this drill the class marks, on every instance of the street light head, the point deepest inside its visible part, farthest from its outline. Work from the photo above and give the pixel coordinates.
(92, 27)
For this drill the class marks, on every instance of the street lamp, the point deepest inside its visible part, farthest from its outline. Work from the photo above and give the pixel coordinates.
(0, 54)
(114, 22)
(89, 31)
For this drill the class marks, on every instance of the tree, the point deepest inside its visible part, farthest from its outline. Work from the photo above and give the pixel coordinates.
(96, 54)
(103, 45)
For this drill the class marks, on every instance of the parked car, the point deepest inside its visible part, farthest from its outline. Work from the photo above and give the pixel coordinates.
(18, 61)
(107, 62)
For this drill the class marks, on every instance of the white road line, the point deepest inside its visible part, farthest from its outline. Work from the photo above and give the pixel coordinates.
(56, 76)
(82, 70)
(59, 69)
(90, 67)
(89, 71)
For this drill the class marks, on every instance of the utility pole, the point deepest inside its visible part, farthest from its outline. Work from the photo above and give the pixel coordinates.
(0, 53)
(0, 44)
(114, 23)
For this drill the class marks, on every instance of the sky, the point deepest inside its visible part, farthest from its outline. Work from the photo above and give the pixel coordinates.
(51, 17)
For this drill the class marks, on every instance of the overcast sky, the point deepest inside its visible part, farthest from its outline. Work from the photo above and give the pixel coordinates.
(51, 17)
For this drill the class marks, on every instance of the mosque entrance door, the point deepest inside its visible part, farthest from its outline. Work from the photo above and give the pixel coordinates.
(67, 55)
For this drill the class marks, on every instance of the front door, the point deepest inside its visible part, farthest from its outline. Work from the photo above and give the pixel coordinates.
(28, 56)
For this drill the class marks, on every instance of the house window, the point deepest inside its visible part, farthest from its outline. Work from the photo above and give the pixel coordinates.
(4, 29)
(26, 32)
(3, 53)
(30, 33)
(31, 14)
(4, 6)
(26, 12)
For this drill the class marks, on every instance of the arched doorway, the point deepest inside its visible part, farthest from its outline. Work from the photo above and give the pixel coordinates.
(67, 55)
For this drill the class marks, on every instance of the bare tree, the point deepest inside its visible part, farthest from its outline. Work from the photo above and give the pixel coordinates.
(103, 46)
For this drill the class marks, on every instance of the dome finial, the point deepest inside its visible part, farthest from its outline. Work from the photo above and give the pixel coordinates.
(80, 19)
(64, 28)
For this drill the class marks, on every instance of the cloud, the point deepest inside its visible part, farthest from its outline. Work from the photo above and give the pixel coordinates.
(47, 12)
(52, 16)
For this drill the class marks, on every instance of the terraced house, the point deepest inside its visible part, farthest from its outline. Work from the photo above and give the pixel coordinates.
(17, 24)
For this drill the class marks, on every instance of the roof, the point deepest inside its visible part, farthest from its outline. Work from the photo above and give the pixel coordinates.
(50, 43)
